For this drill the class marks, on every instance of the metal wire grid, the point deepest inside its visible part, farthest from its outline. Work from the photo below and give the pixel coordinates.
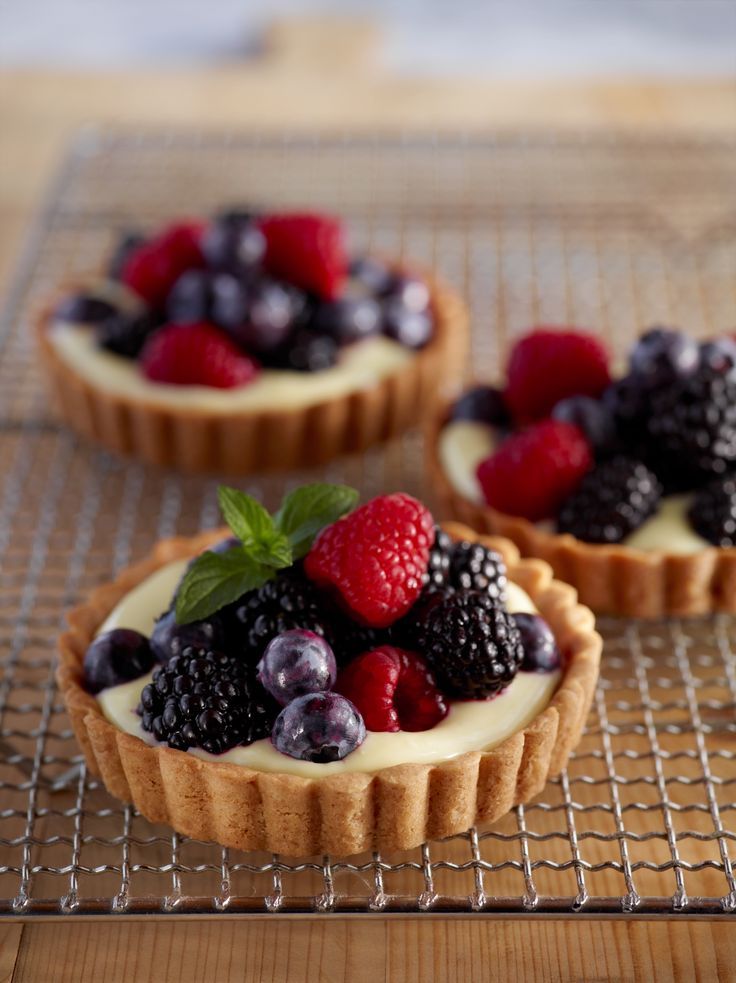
(555, 229)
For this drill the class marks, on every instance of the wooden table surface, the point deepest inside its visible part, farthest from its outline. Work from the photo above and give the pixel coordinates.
(323, 74)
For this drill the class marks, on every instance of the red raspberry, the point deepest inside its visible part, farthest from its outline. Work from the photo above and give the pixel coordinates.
(375, 558)
(153, 268)
(551, 364)
(534, 471)
(195, 355)
(306, 250)
(393, 690)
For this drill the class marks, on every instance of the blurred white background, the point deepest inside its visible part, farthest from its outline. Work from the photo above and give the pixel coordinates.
(509, 38)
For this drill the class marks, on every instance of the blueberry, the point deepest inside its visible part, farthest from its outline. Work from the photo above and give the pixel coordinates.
(224, 545)
(373, 275)
(662, 355)
(484, 404)
(85, 309)
(719, 355)
(540, 649)
(348, 319)
(128, 243)
(310, 352)
(413, 329)
(410, 292)
(234, 243)
(190, 299)
(116, 657)
(627, 400)
(318, 727)
(258, 318)
(125, 334)
(591, 416)
(297, 662)
(169, 638)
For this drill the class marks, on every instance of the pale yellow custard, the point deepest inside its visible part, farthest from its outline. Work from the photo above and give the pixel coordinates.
(463, 444)
(470, 725)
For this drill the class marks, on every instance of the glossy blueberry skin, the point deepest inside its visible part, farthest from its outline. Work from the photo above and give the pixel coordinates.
(413, 329)
(483, 404)
(318, 727)
(348, 319)
(540, 649)
(234, 243)
(591, 416)
(662, 354)
(190, 299)
(719, 355)
(307, 351)
(85, 309)
(410, 292)
(169, 638)
(224, 545)
(259, 317)
(116, 657)
(373, 275)
(297, 662)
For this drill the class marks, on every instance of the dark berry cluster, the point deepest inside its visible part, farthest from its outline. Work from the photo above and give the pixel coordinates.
(463, 565)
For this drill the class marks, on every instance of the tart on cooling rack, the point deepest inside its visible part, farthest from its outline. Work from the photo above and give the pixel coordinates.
(330, 678)
(249, 342)
(625, 486)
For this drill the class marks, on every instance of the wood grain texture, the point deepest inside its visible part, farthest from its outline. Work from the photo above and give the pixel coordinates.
(10, 941)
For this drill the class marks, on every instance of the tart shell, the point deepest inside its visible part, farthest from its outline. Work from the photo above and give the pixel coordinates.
(610, 579)
(199, 441)
(392, 809)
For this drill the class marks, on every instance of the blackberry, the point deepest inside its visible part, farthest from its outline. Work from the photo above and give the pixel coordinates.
(125, 334)
(470, 642)
(611, 501)
(692, 424)
(713, 512)
(475, 567)
(438, 568)
(206, 699)
(352, 639)
(288, 601)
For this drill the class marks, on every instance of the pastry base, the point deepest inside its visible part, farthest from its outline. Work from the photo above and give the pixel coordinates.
(396, 808)
(200, 441)
(614, 579)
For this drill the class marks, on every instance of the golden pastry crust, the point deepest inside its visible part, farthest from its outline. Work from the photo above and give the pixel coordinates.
(392, 809)
(611, 579)
(195, 440)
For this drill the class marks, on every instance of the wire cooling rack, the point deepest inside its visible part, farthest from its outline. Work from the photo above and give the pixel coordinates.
(610, 233)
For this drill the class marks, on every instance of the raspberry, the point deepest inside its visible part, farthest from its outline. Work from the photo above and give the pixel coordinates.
(550, 364)
(613, 500)
(196, 355)
(534, 471)
(154, 267)
(375, 558)
(393, 689)
(307, 250)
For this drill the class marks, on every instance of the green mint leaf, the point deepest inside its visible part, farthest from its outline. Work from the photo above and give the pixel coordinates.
(216, 579)
(307, 510)
(247, 518)
(275, 552)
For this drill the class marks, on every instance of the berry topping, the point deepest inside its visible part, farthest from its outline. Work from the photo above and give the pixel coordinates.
(475, 567)
(375, 558)
(593, 417)
(483, 404)
(205, 699)
(85, 309)
(438, 566)
(297, 662)
(612, 501)
(116, 657)
(309, 352)
(470, 642)
(413, 329)
(169, 638)
(662, 355)
(540, 648)
(719, 355)
(393, 690)
(347, 319)
(692, 425)
(534, 471)
(549, 365)
(196, 355)
(306, 250)
(259, 319)
(374, 276)
(410, 292)
(154, 267)
(287, 602)
(318, 727)
(713, 512)
(233, 242)
(125, 333)
(127, 245)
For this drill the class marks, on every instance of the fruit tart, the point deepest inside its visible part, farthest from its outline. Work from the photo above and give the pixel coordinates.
(330, 678)
(249, 342)
(626, 485)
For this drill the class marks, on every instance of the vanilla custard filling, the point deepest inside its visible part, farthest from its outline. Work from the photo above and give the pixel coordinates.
(469, 726)
(463, 444)
(361, 366)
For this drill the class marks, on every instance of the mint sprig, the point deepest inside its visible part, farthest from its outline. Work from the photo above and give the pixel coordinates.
(266, 545)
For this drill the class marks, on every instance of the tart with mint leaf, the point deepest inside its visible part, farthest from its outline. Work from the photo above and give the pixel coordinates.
(249, 342)
(625, 485)
(331, 678)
